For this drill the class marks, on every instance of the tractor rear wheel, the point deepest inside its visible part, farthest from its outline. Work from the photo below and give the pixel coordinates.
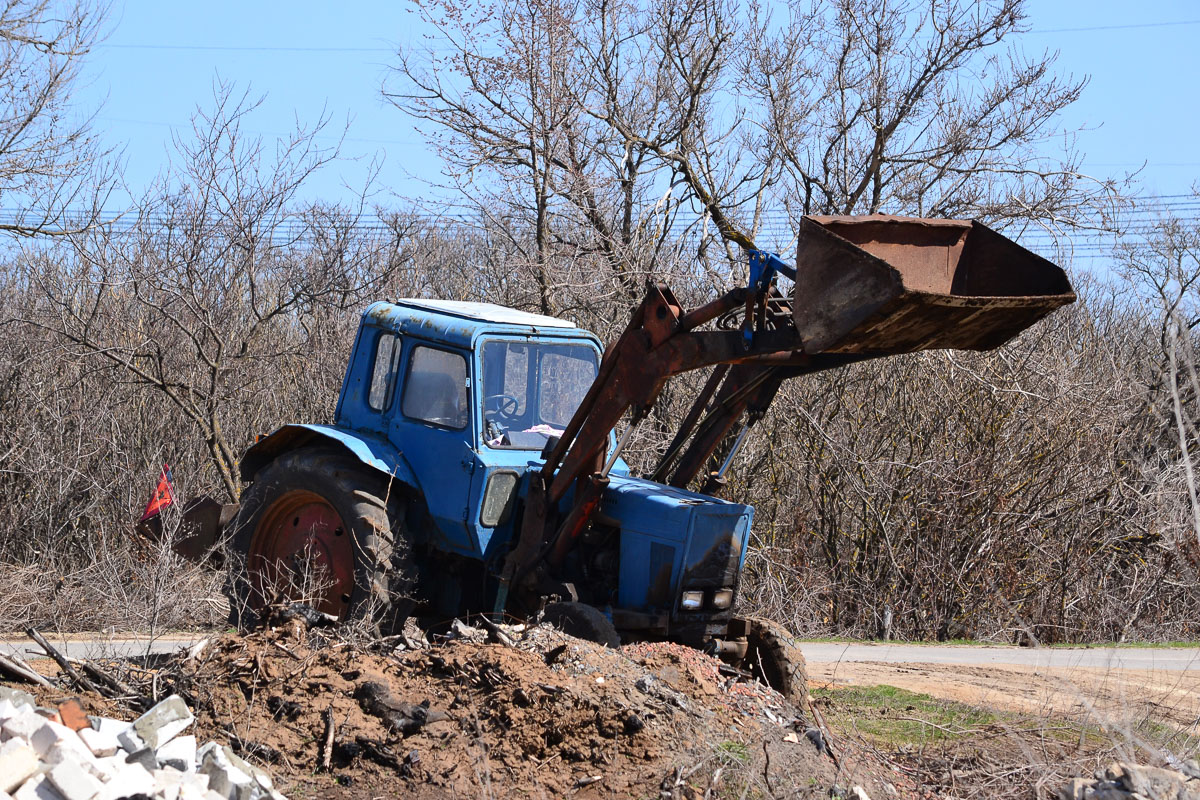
(773, 656)
(315, 527)
(583, 622)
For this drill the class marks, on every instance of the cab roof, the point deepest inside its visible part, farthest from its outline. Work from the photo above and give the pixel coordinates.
(458, 323)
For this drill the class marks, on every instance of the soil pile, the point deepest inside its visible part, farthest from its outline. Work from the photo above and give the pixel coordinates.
(545, 715)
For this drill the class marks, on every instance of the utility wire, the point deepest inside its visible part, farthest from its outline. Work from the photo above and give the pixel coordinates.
(219, 48)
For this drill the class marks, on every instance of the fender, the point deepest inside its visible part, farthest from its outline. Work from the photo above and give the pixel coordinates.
(373, 452)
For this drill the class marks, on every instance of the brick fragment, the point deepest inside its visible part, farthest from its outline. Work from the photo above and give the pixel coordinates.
(228, 775)
(18, 760)
(73, 782)
(72, 714)
(127, 780)
(22, 726)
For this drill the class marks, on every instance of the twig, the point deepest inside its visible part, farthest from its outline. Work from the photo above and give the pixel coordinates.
(96, 674)
(951, 731)
(327, 748)
(63, 664)
(767, 767)
(118, 690)
(285, 650)
(21, 672)
(494, 633)
(820, 720)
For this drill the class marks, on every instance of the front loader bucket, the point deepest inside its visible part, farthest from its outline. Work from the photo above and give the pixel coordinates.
(882, 285)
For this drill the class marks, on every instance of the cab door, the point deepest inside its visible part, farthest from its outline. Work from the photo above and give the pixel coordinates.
(369, 394)
(432, 426)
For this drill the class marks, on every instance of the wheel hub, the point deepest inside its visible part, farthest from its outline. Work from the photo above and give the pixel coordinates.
(303, 551)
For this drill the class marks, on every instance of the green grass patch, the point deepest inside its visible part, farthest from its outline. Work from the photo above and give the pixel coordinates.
(733, 752)
(893, 717)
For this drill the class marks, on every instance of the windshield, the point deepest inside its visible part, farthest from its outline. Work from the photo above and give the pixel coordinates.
(530, 390)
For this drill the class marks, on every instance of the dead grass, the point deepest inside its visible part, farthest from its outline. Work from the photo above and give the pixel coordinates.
(963, 750)
(125, 588)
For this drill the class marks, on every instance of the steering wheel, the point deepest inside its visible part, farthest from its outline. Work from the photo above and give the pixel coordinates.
(506, 405)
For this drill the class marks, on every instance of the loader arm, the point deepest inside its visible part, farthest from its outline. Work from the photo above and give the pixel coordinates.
(864, 287)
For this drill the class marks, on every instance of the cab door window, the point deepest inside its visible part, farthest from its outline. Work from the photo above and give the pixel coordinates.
(435, 389)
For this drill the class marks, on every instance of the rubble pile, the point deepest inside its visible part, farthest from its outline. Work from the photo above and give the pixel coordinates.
(1122, 781)
(65, 754)
(518, 709)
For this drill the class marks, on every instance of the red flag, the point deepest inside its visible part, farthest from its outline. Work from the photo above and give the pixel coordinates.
(164, 495)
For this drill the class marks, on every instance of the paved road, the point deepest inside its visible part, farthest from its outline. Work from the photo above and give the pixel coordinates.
(1169, 659)
(1153, 658)
(97, 647)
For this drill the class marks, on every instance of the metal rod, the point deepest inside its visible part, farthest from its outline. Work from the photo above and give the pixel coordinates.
(689, 422)
(737, 445)
(617, 450)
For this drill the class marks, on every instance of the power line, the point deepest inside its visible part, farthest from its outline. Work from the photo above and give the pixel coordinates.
(1129, 26)
(220, 48)
(246, 48)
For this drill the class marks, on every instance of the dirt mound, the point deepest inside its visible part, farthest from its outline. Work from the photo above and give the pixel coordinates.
(549, 716)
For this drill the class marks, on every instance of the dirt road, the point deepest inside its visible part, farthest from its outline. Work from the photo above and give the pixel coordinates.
(1115, 688)
(1168, 659)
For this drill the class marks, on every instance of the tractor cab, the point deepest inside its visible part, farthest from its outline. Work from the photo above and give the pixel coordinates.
(469, 395)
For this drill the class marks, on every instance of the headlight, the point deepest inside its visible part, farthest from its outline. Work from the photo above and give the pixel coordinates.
(722, 598)
(692, 601)
(498, 499)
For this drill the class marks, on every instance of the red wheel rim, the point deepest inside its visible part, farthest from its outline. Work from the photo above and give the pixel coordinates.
(301, 550)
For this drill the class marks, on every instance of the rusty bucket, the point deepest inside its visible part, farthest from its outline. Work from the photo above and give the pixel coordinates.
(881, 285)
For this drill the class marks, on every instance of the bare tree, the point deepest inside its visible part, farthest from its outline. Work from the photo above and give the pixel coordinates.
(629, 112)
(50, 171)
(220, 270)
(1163, 268)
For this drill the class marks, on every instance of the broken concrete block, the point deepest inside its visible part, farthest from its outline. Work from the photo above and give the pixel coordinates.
(18, 760)
(75, 753)
(22, 726)
(17, 697)
(50, 735)
(129, 780)
(106, 725)
(169, 783)
(73, 782)
(145, 757)
(37, 788)
(228, 775)
(179, 753)
(99, 743)
(158, 725)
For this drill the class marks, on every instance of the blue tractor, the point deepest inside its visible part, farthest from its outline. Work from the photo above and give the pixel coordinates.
(473, 468)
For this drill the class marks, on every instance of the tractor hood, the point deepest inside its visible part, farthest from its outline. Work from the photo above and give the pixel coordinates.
(673, 541)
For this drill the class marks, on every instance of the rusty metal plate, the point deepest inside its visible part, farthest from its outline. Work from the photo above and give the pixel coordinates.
(884, 285)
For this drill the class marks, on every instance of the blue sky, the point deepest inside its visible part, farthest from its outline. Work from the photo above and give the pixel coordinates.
(161, 59)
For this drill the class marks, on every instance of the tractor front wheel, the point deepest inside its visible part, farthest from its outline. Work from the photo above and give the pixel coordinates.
(583, 622)
(773, 656)
(315, 527)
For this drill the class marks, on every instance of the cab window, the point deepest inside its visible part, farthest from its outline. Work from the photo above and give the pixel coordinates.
(531, 390)
(383, 371)
(435, 389)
